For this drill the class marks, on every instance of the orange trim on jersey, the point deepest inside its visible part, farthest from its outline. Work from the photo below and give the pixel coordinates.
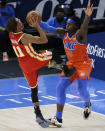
(28, 50)
(48, 52)
(20, 37)
(17, 32)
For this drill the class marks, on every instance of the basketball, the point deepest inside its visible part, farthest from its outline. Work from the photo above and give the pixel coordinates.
(34, 14)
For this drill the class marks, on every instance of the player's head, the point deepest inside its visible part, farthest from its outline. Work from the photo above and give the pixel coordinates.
(14, 25)
(73, 23)
(59, 14)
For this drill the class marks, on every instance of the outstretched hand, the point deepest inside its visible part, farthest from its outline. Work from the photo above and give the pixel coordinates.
(60, 31)
(88, 11)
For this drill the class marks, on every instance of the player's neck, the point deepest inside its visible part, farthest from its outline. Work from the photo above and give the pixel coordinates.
(2, 6)
(72, 33)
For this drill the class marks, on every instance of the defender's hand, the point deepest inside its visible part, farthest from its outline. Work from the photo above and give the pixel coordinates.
(88, 11)
(68, 71)
(60, 31)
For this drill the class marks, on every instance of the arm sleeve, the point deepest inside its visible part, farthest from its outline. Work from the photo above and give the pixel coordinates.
(11, 11)
(47, 28)
(50, 22)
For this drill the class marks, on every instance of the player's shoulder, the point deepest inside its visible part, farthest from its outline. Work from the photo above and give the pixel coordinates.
(18, 35)
(66, 35)
(51, 19)
(8, 6)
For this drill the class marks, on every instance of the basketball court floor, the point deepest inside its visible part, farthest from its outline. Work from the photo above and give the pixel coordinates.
(16, 110)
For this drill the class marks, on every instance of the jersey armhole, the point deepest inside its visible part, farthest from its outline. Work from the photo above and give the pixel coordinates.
(19, 40)
(65, 34)
(77, 40)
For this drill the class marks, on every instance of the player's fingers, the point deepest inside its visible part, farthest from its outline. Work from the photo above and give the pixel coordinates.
(88, 4)
(32, 20)
(91, 5)
(84, 9)
(37, 18)
(30, 24)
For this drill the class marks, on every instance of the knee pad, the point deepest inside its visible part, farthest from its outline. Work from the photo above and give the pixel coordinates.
(34, 94)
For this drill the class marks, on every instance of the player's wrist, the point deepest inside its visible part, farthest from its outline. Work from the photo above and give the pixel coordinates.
(88, 16)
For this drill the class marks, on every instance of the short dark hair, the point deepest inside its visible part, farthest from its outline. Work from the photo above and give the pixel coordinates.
(57, 9)
(3, 1)
(11, 25)
(77, 20)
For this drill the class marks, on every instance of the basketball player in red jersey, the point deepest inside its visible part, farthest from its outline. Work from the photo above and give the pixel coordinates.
(78, 61)
(29, 60)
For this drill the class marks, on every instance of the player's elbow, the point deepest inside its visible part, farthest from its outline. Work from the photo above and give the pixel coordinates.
(43, 41)
(46, 41)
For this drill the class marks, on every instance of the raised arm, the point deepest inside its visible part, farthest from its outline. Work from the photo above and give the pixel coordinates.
(82, 34)
(27, 38)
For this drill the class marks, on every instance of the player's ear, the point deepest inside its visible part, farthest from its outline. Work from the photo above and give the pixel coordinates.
(17, 27)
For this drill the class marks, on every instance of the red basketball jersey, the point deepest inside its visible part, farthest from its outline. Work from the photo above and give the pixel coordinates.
(29, 60)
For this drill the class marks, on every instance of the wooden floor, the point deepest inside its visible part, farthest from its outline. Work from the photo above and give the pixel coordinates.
(23, 119)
